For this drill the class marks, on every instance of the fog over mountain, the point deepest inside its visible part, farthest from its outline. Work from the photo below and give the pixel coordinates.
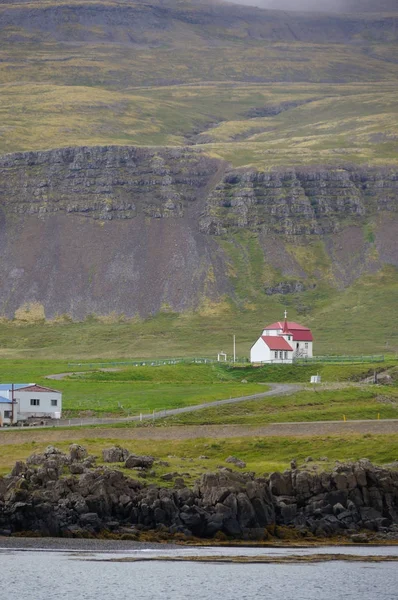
(340, 6)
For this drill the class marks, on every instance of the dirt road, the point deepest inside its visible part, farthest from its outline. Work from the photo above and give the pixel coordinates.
(201, 431)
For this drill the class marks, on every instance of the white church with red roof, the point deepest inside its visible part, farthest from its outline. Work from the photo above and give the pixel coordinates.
(282, 342)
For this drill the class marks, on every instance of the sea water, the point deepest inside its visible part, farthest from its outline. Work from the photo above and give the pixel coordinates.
(85, 575)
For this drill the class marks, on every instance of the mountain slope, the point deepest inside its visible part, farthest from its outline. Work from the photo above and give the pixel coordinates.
(206, 163)
(96, 230)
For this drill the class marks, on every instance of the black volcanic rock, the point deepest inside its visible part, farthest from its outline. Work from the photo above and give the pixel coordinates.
(353, 497)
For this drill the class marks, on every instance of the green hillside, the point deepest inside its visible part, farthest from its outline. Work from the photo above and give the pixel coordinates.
(257, 124)
(262, 90)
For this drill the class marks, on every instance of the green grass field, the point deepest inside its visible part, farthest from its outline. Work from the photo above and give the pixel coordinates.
(135, 390)
(132, 391)
(262, 455)
(352, 403)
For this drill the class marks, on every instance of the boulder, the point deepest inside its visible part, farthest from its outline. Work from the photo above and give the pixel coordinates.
(19, 468)
(236, 461)
(115, 454)
(135, 460)
(77, 452)
(76, 468)
(280, 484)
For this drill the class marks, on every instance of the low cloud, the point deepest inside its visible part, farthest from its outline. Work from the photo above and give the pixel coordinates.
(332, 6)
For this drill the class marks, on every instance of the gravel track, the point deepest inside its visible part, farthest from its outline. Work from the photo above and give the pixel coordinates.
(203, 431)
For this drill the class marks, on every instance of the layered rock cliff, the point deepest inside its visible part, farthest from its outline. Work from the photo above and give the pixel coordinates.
(129, 229)
(299, 201)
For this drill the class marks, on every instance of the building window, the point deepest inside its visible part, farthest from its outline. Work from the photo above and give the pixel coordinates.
(7, 414)
(276, 355)
(34, 402)
(306, 345)
(280, 354)
(286, 354)
(54, 402)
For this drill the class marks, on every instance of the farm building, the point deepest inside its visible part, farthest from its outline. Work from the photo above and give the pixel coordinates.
(21, 401)
(282, 342)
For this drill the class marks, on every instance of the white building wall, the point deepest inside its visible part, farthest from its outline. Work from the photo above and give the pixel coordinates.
(44, 408)
(260, 353)
(272, 331)
(302, 349)
(5, 408)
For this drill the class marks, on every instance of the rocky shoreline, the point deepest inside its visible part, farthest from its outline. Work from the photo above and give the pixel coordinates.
(69, 496)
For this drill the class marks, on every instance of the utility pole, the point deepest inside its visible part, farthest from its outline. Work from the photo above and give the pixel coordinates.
(12, 404)
(234, 349)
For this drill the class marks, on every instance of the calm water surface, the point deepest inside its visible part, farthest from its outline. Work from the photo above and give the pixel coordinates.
(71, 575)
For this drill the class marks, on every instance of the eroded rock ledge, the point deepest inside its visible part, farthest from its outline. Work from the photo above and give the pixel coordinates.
(123, 182)
(68, 495)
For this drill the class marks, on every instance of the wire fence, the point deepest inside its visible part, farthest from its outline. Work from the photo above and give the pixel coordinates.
(375, 358)
(333, 359)
(159, 362)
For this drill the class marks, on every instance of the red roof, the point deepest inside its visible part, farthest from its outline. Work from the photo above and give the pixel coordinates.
(303, 335)
(37, 388)
(276, 342)
(299, 332)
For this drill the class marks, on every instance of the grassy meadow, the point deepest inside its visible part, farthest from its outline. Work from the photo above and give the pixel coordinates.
(153, 388)
(191, 458)
(335, 404)
(316, 123)
(132, 390)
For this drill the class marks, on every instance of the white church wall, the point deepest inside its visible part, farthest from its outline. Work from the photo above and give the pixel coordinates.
(259, 352)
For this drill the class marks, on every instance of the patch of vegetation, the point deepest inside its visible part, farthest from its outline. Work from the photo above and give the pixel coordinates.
(336, 318)
(334, 124)
(351, 403)
(262, 455)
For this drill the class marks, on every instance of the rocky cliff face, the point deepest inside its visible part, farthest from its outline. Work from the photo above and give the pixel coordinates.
(299, 201)
(37, 497)
(127, 229)
(107, 182)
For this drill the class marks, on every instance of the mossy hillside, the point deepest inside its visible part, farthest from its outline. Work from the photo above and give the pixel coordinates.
(330, 124)
(360, 320)
(195, 43)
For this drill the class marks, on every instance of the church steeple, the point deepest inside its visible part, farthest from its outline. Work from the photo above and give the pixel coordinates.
(285, 325)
